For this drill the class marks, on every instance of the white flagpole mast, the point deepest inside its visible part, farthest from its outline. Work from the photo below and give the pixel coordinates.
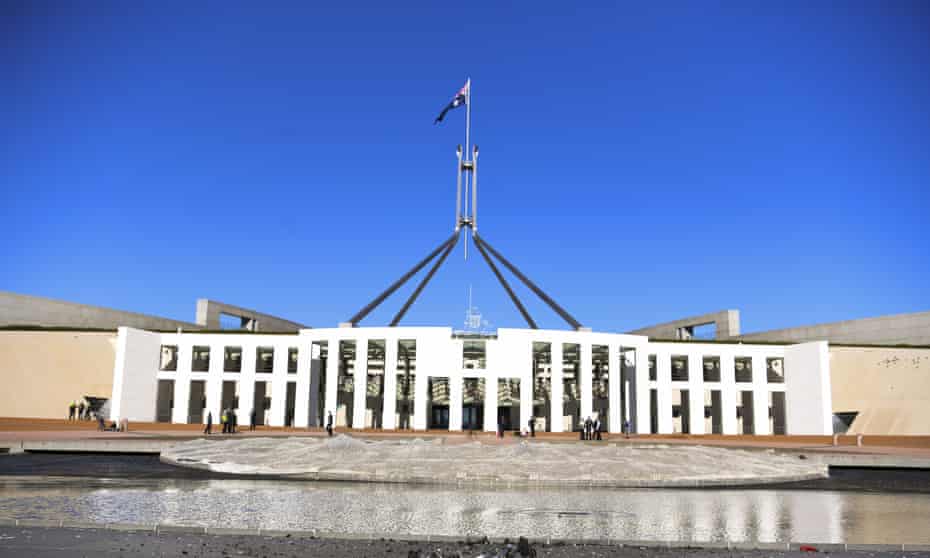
(467, 151)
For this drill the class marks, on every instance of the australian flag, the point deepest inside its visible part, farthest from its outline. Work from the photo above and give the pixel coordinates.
(460, 99)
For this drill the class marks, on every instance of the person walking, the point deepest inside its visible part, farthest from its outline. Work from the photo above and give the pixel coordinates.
(252, 421)
(71, 408)
(233, 421)
(532, 427)
(209, 428)
(329, 423)
(587, 428)
(224, 421)
(597, 428)
(80, 410)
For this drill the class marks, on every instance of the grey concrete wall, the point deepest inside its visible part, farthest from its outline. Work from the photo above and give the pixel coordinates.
(726, 321)
(897, 329)
(19, 309)
(208, 315)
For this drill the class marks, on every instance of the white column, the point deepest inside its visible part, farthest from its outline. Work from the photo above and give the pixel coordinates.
(246, 383)
(490, 404)
(558, 385)
(332, 379)
(389, 416)
(696, 392)
(664, 377)
(360, 380)
(455, 401)
(728, 392)
(587, 406)
(302, 402)
(760, 396)
(182, 384)
(643, 408)
(278, 386)
(615, 417)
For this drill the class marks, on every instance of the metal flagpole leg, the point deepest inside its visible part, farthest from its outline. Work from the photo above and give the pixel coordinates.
(397, 284)
(474, 191)
(503, 282)
(458, 190)
(422, 285)
(539, 292)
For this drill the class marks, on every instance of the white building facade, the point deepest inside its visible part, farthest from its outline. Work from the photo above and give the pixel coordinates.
(432, 378)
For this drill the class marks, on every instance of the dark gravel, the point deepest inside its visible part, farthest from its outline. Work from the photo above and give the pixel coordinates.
(71, 543)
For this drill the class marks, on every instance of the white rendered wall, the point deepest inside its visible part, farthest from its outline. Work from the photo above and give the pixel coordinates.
(807, 380)
(509, 355)
(134, 384)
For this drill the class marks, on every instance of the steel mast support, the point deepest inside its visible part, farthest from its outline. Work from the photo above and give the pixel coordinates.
(397, 284)
(413, 297)
(526, 281)
(503, 282)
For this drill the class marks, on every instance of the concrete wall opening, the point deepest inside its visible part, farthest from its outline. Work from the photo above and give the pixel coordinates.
(437, 410)
(653, 411)
(745, 416)
(374, 383)
(571, 387)
(711, 366)
(317, 397)
(713, 411)
(232, 359)
(264, 360)
(473, 390)
(345, 392)
(600, 384)
(474, 354)
(292, 355)
(406, 383)
(290, 401)
(542, 386)
(508, 403)
(197, 402)
(261, 403)
(742, 367)
(679, 368)
(168, 360)
(627, 389)
(164, 401)
(200, 359)
(681, 411)
(229, 398)
(777, 418)
(775, 370)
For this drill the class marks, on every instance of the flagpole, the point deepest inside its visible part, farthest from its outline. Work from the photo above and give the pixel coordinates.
(467, 152)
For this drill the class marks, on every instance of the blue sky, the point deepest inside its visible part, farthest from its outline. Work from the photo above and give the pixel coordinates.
(642, 162)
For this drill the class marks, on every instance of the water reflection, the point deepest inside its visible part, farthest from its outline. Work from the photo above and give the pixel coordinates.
(687, 515)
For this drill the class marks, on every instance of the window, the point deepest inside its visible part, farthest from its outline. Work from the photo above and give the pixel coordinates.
(264, 360)
(652, 368)
(292, 360)
(474, 356)
(232, 359)
(711, 369)
(743, 369)
(775, 370)
(679, 368)
(169, 358)
(200, 360)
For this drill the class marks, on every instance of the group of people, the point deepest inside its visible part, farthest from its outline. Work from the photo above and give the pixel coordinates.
(78, 411)
(229, 421)
(591, 429)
